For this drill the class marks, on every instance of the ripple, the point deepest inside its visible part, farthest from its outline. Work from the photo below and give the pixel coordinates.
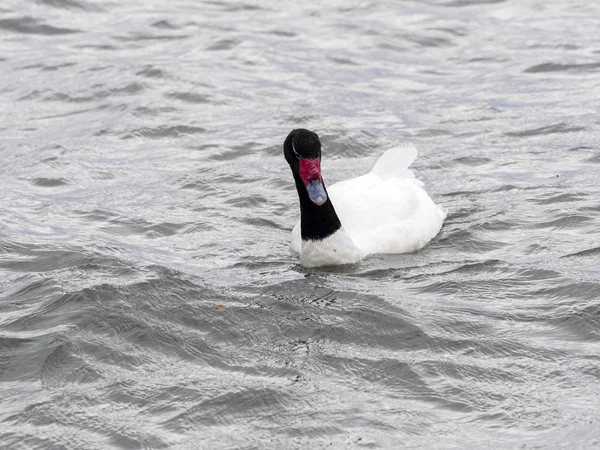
(49, 182)
(71, 5)
(473, 161)
(152, 72)
(165, 131)
(551, 129)
(128, 227)
(30, 25)
(567, 222)
(141, 37)
(463, 3)
(165, 25)
(594, 159)
(555, 67)
(283, 33)
(189, 97)
(553, 198)
(588, 252)
(581, 290)
(343, 61)
(223, 44)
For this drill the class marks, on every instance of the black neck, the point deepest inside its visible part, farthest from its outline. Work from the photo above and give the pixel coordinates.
(316, 222)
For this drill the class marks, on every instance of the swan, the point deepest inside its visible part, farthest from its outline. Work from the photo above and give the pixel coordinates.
(384, 211)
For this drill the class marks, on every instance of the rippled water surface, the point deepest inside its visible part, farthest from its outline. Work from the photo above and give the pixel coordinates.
(148, 295)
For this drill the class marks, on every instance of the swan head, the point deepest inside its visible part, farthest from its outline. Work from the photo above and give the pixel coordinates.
(302, 150)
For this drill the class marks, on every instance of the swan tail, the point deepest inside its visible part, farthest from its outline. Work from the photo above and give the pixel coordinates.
(396, 162)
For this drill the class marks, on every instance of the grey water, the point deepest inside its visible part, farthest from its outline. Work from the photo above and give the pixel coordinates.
(148, 294)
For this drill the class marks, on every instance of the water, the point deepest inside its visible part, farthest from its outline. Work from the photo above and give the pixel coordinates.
(148, 296)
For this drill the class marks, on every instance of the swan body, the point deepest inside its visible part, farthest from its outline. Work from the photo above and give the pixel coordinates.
(384, 211)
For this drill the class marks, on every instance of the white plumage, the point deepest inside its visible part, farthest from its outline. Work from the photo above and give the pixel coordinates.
(385, 211)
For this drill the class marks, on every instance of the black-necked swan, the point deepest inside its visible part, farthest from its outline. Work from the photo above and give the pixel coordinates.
(385, 211)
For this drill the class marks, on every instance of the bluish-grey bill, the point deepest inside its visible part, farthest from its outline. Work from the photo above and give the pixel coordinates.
(316, 192)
